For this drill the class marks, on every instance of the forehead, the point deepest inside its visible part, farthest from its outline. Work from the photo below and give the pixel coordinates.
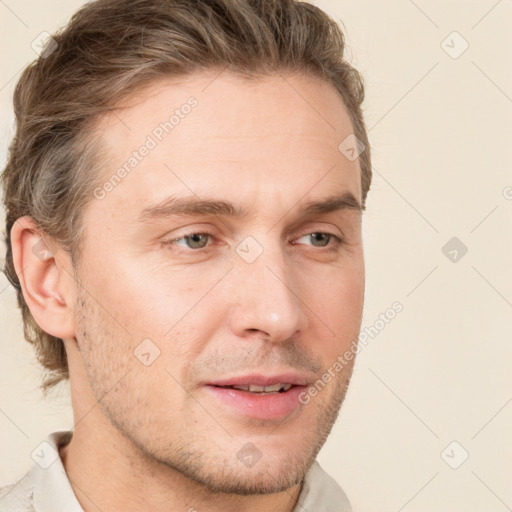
(220, 134)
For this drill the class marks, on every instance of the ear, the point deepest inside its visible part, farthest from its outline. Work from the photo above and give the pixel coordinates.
(46, 277)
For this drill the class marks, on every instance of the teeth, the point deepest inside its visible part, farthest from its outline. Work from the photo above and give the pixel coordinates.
(253, 388)
(243, 388)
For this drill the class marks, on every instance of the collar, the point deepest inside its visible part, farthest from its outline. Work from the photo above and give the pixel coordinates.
(52, 489)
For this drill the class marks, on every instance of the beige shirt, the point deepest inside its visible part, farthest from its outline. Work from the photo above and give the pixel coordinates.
(46, 488)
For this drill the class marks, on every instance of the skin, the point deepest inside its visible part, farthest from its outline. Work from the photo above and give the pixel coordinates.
(151, 437)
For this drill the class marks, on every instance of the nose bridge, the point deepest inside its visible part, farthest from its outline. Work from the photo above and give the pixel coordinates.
(267, 298)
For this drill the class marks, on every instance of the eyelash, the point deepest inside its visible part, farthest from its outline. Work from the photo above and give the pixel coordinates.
(332, 247)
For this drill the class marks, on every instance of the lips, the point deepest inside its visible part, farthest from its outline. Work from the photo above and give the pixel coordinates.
(259, 396)
(292, 379)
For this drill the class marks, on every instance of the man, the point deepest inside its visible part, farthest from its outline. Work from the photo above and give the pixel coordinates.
(183, 201)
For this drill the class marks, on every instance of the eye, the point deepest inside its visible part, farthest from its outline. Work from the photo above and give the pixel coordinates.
(192, 240)
(198, 241)
(322, 239)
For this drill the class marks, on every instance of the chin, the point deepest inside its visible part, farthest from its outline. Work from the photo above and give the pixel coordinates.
(243, 468)
(249, 481)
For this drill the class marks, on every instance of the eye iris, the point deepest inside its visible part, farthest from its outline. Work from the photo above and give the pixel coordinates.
(316, 237)
(199, 238)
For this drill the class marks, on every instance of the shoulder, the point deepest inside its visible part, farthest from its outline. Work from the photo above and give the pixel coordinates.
(44, 484)
(18, 496)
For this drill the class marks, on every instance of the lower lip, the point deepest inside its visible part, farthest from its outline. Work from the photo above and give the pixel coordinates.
(260, 406)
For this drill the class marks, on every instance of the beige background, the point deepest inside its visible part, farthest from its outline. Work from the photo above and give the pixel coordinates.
(439, 372)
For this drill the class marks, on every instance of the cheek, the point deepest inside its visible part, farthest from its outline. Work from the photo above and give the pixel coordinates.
(339, 306)
(176, 310)
(342, 291)
(143, 300)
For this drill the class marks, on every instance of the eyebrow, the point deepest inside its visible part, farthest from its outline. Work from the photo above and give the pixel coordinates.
(192, 205)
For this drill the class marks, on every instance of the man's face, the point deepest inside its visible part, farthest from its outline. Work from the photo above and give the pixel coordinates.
(176, 307)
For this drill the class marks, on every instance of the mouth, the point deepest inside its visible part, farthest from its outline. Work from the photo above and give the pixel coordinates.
(262, 390)
(259, 397)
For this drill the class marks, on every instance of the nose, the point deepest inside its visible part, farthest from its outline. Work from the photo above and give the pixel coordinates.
(266, 299)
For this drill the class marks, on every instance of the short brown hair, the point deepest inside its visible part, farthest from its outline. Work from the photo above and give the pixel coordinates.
(113, 48)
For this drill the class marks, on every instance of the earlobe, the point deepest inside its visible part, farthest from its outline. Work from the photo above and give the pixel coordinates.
(41, 277)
